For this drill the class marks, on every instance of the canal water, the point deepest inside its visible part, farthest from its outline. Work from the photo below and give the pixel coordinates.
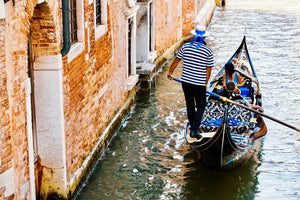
(148, 157)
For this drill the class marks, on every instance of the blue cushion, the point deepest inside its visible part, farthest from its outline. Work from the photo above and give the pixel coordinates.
(245, 91)
(238, 118)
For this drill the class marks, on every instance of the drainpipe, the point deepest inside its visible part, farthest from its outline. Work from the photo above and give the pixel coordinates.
(66, 27)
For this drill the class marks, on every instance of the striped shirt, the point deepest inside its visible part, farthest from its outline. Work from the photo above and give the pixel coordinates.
(195, 62)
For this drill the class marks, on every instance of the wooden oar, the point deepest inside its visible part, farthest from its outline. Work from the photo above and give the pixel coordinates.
(247, 108)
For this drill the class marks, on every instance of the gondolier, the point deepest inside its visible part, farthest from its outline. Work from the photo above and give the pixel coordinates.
(231, 128)
(197, 63)
(229, 132)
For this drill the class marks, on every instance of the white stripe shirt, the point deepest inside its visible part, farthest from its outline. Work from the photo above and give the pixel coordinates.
(195, 62)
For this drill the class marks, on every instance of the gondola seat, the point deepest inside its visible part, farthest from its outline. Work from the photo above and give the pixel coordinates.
(238, 118)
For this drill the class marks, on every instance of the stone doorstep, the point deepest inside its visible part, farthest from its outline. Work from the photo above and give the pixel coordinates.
(146, 69)
(146, 73)
(6, 181)
(132, 81)
(152, 56)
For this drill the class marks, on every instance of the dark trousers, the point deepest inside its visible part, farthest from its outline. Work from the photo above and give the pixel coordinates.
(195, 97)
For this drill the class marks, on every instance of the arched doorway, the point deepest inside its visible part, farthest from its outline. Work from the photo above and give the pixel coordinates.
(46, 73)
(31, 120)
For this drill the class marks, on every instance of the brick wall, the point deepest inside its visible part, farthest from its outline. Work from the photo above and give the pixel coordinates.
(188, 16)
(166, 24)
(5, 134)
(13, 109)
(87, 113)
(94, 83)
(169, 17)
(94, 89)
(14, 166)
(44, 31)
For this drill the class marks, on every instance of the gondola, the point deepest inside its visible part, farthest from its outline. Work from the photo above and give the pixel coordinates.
(227, 129)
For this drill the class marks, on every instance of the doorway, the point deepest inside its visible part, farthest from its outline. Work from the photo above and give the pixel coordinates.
(31, 76)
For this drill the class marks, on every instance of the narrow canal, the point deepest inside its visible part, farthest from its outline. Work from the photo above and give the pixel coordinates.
(148, 158)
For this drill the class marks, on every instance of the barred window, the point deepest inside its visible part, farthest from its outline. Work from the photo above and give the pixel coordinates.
(100, 16)
(73, 21)
(130, 27)
(98, 12)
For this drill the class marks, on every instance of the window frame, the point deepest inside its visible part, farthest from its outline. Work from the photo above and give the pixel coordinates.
(77, 47)
(73, 22)
(101, 28)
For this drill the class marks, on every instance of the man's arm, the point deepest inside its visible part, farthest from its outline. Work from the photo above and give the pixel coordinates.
(208, 73)
(241, 81)
(173, 66)
(224, 81)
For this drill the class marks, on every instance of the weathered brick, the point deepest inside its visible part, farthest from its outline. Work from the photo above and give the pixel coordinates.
(94, 89)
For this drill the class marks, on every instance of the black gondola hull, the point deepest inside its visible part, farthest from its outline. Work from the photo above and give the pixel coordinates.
(221, 153)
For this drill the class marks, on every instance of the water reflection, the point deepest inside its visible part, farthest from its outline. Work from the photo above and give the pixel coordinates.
(203, 183)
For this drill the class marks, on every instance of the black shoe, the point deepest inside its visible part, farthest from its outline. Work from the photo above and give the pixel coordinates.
(195, 134)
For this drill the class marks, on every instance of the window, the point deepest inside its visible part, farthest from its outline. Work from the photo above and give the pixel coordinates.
(150, 26)
(98, 12)
(32, 96)
(76, 28)
(130, 27)
(73, 21)
(100, 17)
(146, 33)
(132, 77)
